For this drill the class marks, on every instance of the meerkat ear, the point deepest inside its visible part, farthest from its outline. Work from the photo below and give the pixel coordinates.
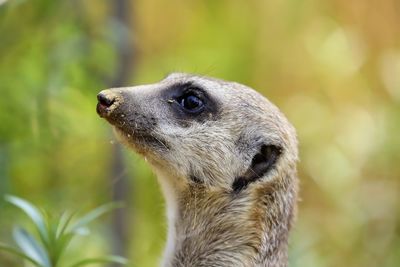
(260, 165)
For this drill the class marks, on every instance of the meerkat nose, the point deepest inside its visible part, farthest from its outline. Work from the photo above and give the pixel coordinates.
(107, 102)
(105, 99)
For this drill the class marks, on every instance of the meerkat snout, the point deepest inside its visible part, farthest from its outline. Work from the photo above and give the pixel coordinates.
(226, 160)
(108, 102)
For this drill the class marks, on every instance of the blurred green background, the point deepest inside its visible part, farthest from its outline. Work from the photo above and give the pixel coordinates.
(333, 67)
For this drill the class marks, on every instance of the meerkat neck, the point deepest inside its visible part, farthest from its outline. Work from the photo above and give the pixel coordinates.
(171, 201)
(219, 228)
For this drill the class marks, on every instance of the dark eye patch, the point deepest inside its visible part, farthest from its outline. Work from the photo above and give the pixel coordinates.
(190, 102)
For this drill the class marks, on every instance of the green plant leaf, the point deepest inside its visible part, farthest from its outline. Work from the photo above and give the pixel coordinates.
(54, 234)
(63, 223)
(61, 238)
(18, 253)
(94, 214)
(106, 259)
(31, 247)
(33, 213)
(60, 247)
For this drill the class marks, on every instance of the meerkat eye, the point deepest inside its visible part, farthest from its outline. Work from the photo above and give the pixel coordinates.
(191, 103)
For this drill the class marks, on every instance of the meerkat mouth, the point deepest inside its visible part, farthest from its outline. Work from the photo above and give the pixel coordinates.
(101, 109)
(141, 138)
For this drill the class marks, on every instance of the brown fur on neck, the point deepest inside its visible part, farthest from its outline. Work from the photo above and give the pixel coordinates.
(223, 228)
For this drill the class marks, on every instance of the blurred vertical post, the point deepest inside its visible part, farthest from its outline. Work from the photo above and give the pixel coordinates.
(4, 179)
(121, 25)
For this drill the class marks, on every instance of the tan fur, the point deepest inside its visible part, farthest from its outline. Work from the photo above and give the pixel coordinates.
(209, 224)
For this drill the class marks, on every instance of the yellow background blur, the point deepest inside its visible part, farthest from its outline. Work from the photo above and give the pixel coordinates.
(333, 67)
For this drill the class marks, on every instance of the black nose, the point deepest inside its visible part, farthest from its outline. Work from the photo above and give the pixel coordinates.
(105, 99)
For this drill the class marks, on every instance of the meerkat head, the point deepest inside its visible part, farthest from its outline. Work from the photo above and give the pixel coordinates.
(202, 131)
(226, 159)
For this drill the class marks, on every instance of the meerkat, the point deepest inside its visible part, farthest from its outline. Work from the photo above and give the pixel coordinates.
(225, 158)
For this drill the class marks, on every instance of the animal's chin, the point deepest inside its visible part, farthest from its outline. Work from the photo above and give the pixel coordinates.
(141, 142)
(130, 140)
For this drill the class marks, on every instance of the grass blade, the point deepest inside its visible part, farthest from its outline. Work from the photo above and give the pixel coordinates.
(94, 214)
(61, 247)
(18, 253)
(62, 239)
(107, 259)
(32, 212)
(31, 247)
(63, 223)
